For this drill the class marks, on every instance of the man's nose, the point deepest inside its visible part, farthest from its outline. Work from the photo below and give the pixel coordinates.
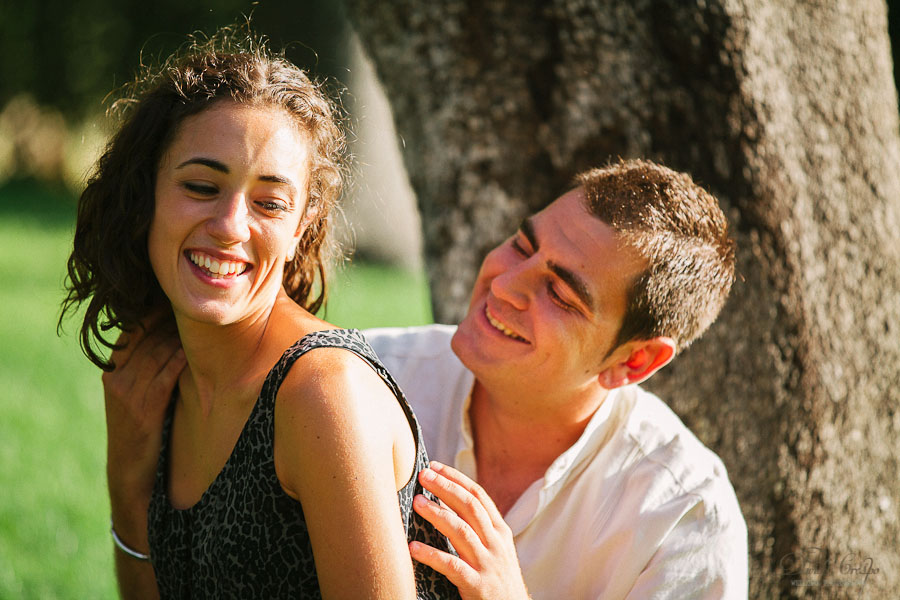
(514, 285)
(229, 223)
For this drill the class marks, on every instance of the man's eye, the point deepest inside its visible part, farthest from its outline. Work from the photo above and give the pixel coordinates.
(518, 248)
(558, 299)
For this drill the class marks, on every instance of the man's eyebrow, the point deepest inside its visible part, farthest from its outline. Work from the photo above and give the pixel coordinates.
(206, 162)
(527, 229)
(571, 279)
(576, 283)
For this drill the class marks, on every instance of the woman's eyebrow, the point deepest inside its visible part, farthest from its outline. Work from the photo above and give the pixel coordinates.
(222, 168)
(206, 162)
(277, 179)
(285, 181)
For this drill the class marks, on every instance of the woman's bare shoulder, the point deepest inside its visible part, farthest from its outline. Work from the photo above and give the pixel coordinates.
(327, 379)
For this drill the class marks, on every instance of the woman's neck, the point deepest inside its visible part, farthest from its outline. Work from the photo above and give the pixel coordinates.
(224, 359)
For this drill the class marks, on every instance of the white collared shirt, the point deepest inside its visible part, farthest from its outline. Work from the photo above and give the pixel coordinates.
(636, 508)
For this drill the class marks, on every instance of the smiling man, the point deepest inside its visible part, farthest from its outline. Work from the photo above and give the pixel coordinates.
(587, 486)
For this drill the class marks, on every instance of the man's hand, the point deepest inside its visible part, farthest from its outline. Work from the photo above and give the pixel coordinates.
(487, 566)
(137, 394)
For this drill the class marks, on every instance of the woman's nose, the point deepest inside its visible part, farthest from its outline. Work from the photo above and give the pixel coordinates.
(229, 223)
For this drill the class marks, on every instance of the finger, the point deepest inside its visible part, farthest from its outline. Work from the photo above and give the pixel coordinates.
(466, 482)
(129, 340)
(158, 368)
(163, 384)
(147, 375)
(464, 503)
(465, 540)
(120, 380)
(125, 345)
(457, 571)
(160, 318)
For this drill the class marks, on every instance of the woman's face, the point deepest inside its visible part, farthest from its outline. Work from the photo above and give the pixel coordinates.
(230, 194)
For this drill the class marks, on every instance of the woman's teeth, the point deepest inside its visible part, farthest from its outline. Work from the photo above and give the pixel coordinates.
(500, 326)
(218, 268)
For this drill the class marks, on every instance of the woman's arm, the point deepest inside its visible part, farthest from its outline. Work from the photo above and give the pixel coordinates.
(137, 394)
(343, 447)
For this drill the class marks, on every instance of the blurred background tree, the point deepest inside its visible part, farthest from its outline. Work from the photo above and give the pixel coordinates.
(70, 55)
(61, 64)
(788, 113)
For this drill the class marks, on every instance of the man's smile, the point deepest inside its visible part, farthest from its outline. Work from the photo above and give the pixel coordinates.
(501, 327)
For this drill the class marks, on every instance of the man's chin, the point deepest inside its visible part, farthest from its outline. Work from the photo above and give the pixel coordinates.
(465, 342)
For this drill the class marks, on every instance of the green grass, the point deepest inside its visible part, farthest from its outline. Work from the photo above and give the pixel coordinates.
(54, 540)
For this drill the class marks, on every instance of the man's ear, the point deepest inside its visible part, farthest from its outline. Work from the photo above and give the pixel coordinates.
(638, 361)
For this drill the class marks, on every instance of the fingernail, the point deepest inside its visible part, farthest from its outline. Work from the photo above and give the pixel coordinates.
(436, 465)
(427, 474)
(420, 500)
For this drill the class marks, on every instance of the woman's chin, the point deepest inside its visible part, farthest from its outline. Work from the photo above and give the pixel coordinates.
(212, 313)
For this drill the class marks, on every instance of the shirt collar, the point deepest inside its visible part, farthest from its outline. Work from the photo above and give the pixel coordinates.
(596, 433)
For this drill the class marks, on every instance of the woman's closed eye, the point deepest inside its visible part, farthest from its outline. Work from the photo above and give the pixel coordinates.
(200, 189)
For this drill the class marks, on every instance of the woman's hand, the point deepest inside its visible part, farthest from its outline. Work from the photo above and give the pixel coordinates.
(137, 393)
(487, 566)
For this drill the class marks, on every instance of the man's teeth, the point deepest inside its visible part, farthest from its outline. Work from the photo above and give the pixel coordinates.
(500, 326)
(218, 268)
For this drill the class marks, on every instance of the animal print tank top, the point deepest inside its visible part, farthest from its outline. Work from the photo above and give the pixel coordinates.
(245, 537)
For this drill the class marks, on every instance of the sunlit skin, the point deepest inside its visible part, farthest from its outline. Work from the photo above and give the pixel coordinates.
(232, 188)
(539, 337)
(548, 303)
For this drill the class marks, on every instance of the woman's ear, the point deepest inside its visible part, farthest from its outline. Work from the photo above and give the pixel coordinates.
(310, 214)
(643, 359)
(309, 217)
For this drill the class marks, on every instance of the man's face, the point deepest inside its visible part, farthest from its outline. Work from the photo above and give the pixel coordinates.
(548, 303)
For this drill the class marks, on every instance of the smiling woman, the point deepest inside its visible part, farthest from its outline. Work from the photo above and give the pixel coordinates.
(230, 209)
(285, 462)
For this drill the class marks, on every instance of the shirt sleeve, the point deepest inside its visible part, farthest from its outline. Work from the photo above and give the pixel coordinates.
(704, 556)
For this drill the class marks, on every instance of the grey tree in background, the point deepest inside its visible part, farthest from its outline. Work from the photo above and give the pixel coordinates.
(788, 113)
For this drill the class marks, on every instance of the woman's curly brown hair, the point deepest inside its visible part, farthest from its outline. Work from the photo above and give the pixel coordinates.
(109, 268)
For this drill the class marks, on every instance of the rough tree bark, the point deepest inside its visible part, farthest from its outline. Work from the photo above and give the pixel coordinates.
(788, 113)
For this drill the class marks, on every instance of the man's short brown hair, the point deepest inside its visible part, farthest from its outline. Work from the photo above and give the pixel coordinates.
(680, 230)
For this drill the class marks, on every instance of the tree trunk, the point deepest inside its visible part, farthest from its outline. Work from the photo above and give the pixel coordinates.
(789, 115)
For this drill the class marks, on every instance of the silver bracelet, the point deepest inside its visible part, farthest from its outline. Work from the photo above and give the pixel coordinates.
(125, 547)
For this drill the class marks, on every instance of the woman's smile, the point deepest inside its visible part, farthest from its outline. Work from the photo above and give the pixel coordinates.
(217, 268)
(230, 194)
